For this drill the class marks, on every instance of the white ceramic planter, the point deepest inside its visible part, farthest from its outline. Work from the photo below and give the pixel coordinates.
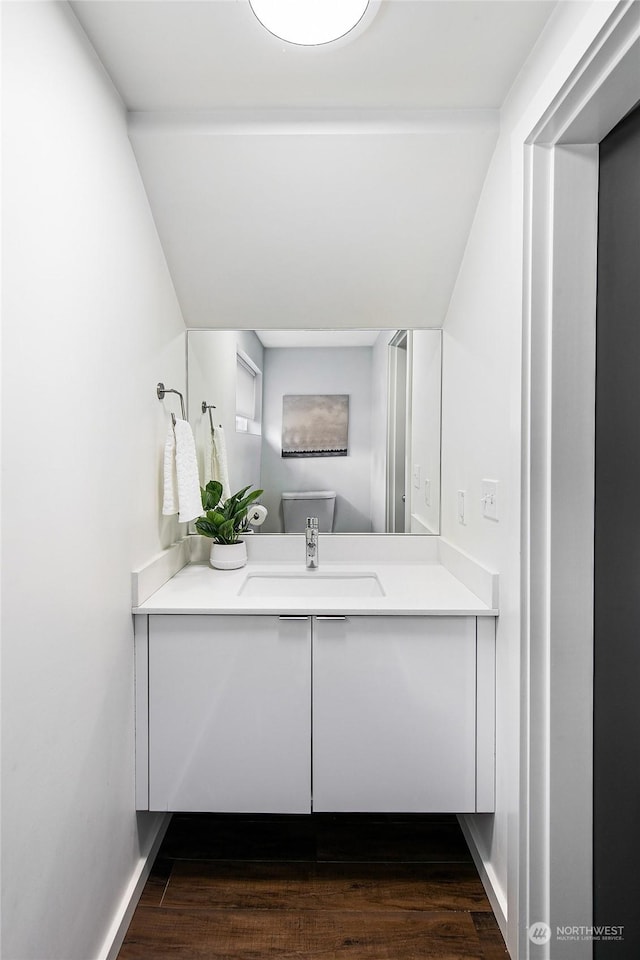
(228, 556)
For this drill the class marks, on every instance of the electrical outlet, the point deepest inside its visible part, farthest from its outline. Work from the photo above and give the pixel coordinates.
(489, 499)
(427, 493)
(461, 498)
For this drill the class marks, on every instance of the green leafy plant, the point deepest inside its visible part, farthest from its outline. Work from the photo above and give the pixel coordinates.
(224, 521)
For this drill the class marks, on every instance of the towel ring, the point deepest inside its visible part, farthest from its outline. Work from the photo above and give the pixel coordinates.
(161, 390)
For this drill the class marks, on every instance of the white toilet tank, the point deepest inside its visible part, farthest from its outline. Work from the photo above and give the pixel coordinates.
(297, 505)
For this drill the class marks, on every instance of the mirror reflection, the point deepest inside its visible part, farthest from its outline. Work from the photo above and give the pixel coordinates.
(339, 424)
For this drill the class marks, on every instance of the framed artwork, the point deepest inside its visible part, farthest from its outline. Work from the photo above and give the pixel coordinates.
(315, 425)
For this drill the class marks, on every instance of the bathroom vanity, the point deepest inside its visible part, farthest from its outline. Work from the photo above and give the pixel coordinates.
(355, 687)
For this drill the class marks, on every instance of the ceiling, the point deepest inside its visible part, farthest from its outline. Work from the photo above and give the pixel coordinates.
(287, 339)
(212, 54)
(326, 186)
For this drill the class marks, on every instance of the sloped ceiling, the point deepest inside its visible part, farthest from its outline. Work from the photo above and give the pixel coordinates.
(330, 186)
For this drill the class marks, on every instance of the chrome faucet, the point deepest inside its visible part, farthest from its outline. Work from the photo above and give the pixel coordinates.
(311, 534)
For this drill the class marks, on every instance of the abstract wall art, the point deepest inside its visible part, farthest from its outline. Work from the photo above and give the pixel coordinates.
(315, 425)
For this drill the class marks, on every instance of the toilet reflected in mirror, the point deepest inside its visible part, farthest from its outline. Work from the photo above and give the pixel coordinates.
(300, 504)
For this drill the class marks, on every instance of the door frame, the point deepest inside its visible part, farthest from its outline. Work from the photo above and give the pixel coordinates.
(399, 341)
(555, 863)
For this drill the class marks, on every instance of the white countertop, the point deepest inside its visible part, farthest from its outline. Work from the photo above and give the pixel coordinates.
(411, 589)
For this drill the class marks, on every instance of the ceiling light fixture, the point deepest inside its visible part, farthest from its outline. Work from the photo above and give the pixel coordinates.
(309, 22)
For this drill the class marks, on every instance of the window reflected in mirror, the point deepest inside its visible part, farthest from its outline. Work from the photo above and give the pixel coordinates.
(339, 424)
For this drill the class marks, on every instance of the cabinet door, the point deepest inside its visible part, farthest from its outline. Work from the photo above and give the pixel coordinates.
(394, 714)
(229, 714)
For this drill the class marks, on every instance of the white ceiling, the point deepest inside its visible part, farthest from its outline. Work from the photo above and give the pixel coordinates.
(287, 339)
(317, 187)
(211, 54)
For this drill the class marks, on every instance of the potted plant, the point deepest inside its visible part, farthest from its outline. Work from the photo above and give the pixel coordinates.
(224, 522)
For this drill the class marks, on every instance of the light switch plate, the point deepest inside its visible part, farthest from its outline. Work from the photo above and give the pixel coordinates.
(490, 499)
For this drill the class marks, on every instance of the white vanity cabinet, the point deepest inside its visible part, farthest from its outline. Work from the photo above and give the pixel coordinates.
(260, 713)
(229, 714)
(394, 714)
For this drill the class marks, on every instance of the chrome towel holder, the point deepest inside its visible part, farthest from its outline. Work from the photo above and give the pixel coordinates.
(161, 390)
(209, 406)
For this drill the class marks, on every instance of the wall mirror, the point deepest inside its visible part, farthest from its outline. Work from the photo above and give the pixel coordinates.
(341, 423)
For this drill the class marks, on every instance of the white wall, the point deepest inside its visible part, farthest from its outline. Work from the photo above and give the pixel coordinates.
(319, 370)
(212, 377)
(390, 202)
(481, 440)
(482, 360)
(90, 324)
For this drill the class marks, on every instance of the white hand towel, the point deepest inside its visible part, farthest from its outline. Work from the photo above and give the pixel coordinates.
(170, 499)
(208, 457)
(219, 465)
(189, 498)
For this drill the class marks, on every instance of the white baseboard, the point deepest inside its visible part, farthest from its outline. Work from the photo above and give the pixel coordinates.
(122, 917)
(489, 880)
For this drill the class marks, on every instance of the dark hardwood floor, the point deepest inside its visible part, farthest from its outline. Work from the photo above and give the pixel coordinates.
(349, 887)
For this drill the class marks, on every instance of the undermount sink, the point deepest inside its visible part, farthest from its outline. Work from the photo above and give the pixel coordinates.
(311, 584)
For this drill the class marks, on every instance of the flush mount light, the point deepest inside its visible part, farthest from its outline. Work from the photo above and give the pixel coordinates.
(309, 22)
